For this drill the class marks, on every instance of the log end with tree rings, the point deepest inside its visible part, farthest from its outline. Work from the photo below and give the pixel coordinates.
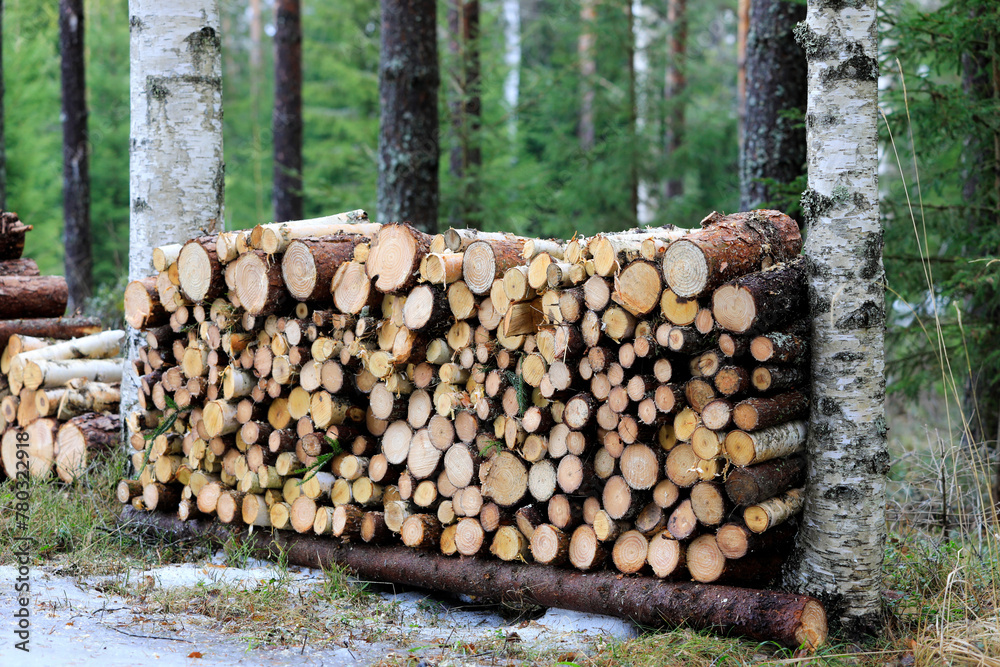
(142, 305)
(196, 269)
(640, 466)
(685, 268)
(638, 286)
(253, 282)
(585, 550)
(665, 555)
(630, 551)
(298, 269)
(734, 308)
(549, 545)
(507, 480)
(352, 288)
(704, 560)
(395, 257)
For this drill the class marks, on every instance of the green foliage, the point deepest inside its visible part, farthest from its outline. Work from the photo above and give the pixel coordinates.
(945, 119)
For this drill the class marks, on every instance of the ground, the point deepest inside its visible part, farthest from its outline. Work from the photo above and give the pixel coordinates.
(87, 620)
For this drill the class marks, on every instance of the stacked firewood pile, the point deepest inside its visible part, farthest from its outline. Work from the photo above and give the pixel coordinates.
(58, 400)
(634, 398)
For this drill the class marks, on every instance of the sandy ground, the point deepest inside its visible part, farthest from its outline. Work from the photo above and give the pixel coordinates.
(75, 621)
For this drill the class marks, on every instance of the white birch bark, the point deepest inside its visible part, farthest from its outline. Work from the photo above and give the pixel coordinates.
(512, 59)
(642, 28)
(175, 162)
(842, 538)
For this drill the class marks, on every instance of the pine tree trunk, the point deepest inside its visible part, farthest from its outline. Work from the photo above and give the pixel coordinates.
(774, 148)
(176, 175)
(76, 173)
(287, 119)
(846, 482)
(408, 124)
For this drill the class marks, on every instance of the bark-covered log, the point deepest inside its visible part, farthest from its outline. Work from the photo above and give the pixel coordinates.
(38, 296)
(24, 268)
(764, 300)
(143, 309)
(728, 247)
(753, 484)
(60, 328)
(12, 233)
(81, 437)
(308, 266)
(258, 282)
(486, 261)
(758, 413)
(791, 620)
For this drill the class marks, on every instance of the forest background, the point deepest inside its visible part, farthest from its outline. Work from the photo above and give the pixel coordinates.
(539, 175)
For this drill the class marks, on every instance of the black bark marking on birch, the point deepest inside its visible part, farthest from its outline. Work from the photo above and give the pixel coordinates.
(829, 406)
(843, 494)
(865, 317)
(879, 464)
(139, 205)
(838, 5)
(857, 67)
(872, 253)
(136, 23)
(201, 43)
(848, 357)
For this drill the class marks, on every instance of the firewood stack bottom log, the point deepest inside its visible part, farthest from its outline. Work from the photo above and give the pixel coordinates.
(58, 375)
(635, 400)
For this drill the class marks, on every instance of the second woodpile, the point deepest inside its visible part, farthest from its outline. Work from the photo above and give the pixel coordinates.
(58, 375)
(634, 400)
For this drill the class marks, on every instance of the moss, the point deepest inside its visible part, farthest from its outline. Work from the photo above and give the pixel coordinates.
(158, 91)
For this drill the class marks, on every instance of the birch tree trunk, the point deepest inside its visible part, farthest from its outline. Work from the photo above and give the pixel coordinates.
(774, 146)
(512, 59)
(642, 28)
(287, 118)
(588, 70)
(78, 262)
(838, 557)
(466, 111)
(676, 83)
(176, 177)
(408, 124)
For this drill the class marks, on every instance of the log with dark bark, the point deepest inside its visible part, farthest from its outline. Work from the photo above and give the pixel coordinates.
(308, 266)
(24, 268)
(486, 261)
(788, 619)
(757, 413)
(751, 485)
(59, 327)
(39, 296)
(728, 247)
(761, 301)
(12, 233)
